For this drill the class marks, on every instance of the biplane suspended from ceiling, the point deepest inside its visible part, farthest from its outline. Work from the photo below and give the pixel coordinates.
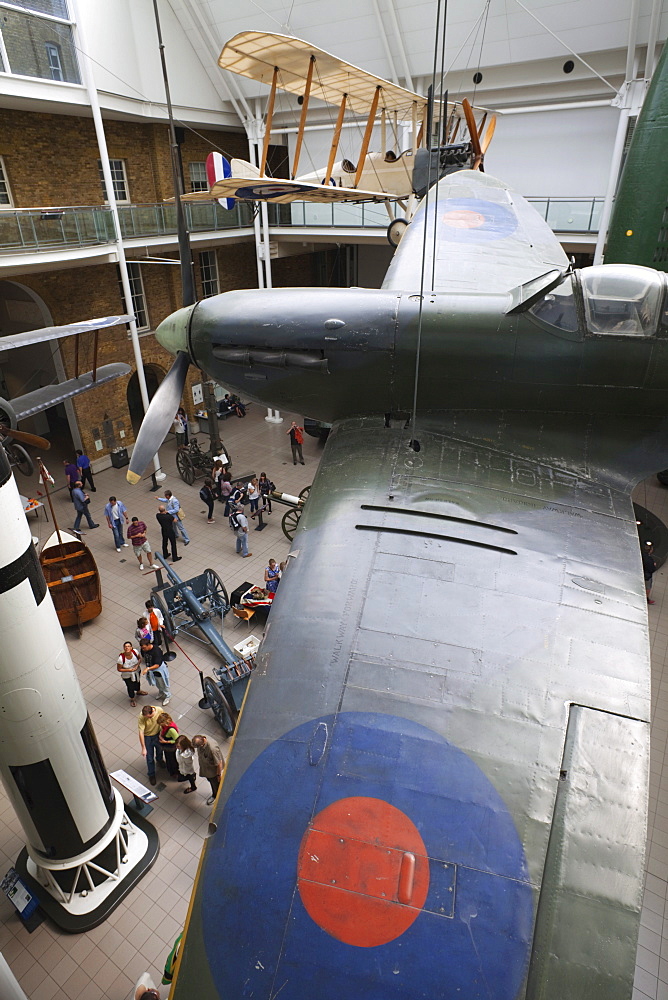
(297, 67)
(12, 412)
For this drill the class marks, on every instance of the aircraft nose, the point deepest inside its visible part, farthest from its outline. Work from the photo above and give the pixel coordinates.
(172, 333)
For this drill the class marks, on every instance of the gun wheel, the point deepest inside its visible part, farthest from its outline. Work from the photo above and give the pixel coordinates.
(290, 522)
(219, 705)
(185, 466)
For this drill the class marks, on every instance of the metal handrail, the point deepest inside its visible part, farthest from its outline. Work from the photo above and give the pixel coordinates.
(26, 229)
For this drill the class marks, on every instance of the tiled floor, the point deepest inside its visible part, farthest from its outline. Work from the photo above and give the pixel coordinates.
(106, 962)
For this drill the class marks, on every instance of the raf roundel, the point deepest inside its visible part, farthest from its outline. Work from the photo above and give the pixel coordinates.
(472, 220)
(363, 871)
(392, 867)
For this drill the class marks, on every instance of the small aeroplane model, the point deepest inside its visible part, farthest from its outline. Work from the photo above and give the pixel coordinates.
(13, 411)
(298, 68)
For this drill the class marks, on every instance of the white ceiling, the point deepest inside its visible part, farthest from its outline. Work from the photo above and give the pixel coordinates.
(519, 58)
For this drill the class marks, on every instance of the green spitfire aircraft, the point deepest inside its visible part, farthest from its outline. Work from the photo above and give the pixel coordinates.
(438, 786)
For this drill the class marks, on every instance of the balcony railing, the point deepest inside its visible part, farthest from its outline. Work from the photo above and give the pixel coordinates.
(138, 221)
(30, 229)
(570, 215)
(54, 228)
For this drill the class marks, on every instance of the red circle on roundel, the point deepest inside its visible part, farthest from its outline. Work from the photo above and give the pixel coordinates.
(363, 871)
(460, 218)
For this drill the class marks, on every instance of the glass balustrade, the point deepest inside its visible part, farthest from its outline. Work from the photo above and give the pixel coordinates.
(53, 228)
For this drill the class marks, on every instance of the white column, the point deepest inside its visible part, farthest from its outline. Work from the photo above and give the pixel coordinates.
(273, 416)
(111, 200)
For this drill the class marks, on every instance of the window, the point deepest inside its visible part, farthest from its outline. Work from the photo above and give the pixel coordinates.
(208, 269)
(557, 308)
(119, 179)
(5, 193)
(138, 296)
(621, 299)
(198, 179)
(39, 46)
(55, 65)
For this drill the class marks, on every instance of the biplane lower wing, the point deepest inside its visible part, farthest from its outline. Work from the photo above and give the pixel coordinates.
(50, 395)
(282, 192)
(423, 798)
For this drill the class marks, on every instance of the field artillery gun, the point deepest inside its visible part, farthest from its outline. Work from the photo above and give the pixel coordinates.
(191, 606)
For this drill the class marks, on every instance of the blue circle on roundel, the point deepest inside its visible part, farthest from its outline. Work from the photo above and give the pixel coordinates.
(265, 192)
(473, 935)
(472, 220)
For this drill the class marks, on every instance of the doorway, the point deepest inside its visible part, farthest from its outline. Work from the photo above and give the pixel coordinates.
(27, 368)
(154, 375)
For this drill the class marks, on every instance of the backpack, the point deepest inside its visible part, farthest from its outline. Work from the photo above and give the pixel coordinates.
(204, 494)
(234, 520)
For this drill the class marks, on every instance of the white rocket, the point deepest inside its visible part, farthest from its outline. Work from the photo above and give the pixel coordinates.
(81, 846)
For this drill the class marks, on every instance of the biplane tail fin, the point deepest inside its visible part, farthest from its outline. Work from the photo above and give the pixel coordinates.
(218, 168)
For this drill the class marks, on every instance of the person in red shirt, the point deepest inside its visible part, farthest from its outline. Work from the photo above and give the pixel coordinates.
(140, 543)
(296, 440)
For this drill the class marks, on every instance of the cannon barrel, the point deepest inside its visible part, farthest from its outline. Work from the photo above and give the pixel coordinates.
(287, 498)
(200, 615)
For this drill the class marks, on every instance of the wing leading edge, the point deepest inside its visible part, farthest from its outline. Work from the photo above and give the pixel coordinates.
(282, 192)
(423, 796)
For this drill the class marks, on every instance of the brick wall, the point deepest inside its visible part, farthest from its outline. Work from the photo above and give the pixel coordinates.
(39, 151)
(52, 160)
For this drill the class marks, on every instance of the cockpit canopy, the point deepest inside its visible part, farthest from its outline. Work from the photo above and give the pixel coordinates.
(621, 300)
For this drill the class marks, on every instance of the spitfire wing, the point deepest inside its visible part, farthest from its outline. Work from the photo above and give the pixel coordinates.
(50, 395)
(454, 676)
(12, 341)
(282, 191)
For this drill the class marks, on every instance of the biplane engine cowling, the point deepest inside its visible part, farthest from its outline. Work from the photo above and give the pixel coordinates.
(7, 414)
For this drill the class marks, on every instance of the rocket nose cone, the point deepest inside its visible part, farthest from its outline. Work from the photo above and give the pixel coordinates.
(172, 333)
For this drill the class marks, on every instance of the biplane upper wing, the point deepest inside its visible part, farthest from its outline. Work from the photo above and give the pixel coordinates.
(433, 740)
(255, 54)
(281, 192)
(45, 333)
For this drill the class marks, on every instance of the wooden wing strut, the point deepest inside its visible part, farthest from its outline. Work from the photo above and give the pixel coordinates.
(302, 119)
(270, 115)
(335, 140)
(367, 135)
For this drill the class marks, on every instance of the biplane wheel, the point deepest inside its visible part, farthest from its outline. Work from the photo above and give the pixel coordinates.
(184, 464)
(396, 230)
(290, 522)
(161, 605)
(303, 494)
(20, 458)
(219, 705)
(216, 593)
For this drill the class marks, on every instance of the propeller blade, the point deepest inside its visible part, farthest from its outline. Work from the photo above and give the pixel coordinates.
(487, 138)
(23, 437)
(159, 418)
(473, 128)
